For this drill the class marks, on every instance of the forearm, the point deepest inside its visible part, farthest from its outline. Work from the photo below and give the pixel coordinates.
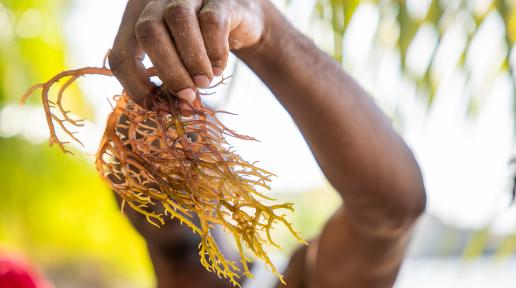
(353, 141)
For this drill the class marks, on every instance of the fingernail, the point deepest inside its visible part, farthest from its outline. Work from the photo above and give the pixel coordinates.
(217, 71)
(202, 81)
(187, 94)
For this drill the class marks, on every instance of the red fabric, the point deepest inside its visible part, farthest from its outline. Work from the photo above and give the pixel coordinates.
(16, 275)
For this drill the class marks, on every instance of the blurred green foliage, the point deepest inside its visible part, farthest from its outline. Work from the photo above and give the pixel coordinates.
(54, 209)
(440, 15)
(28, 56)
(32, 49)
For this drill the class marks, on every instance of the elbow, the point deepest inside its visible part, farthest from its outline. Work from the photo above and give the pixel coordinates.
(398, 216)
(408, 192)
(399, 205)
(404, 203)
(413, 193)
(412, 202)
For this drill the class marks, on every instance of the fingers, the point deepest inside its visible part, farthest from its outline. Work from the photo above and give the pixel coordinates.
(215, 26)
(153, 37)
(125, 57)
(187, 45)
(181, 19)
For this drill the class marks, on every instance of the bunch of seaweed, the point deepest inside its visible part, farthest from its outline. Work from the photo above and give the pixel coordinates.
(176, 154)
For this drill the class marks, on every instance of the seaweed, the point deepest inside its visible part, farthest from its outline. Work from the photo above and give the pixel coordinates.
(176, 154)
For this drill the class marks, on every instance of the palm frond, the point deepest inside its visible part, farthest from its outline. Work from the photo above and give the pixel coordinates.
(441, 15)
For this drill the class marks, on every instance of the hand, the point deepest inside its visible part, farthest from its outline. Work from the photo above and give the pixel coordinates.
(187, 41)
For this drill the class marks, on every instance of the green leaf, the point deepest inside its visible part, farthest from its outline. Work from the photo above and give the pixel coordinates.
(476, 244)
(408, 28)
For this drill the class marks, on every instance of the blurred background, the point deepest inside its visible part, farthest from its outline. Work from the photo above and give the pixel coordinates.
(443, 70)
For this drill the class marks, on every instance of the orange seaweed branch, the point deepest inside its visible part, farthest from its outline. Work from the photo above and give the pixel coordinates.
(177, 157)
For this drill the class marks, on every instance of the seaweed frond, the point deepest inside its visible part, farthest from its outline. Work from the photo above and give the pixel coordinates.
(176, 154)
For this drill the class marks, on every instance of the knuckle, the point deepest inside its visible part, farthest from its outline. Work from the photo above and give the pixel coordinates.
(117, 60)
(218, 54)
(178, 13)
(177, 81)
(181, 82)
(212, 17)
(148, 29)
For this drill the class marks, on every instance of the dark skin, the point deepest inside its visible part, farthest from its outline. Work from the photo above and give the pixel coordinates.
(365, 160)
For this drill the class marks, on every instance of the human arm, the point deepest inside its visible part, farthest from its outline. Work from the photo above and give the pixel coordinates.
(354, 143)
(359, 152)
